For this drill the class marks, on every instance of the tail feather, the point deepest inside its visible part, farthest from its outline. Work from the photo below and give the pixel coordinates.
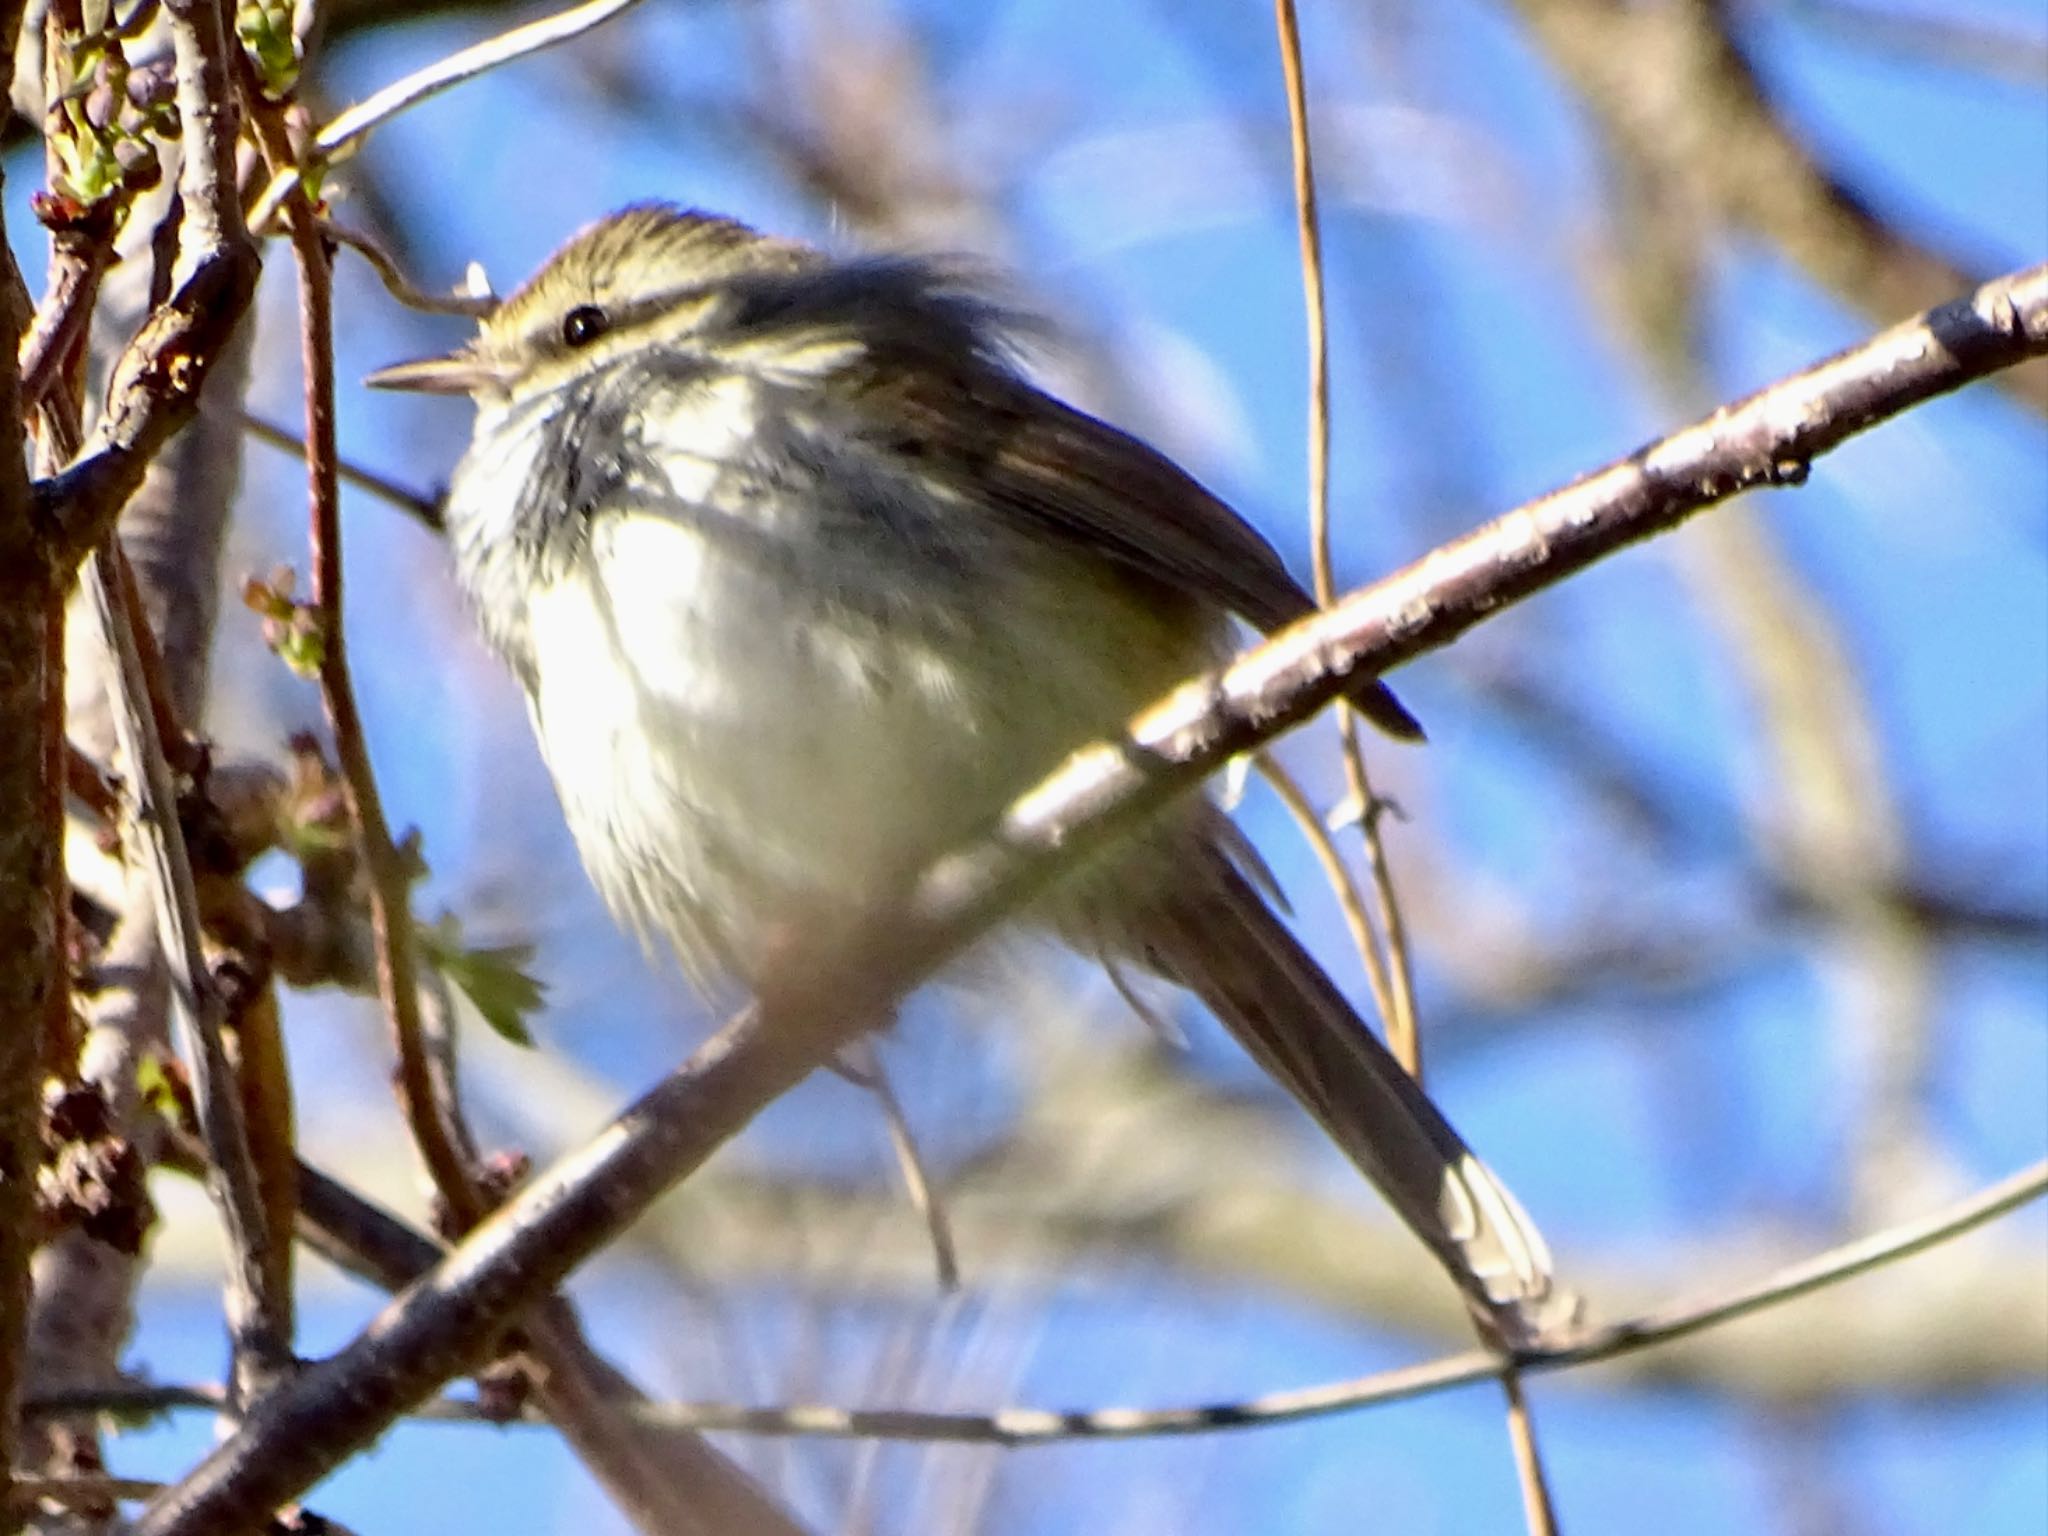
(1216, 937)
(1376, 701)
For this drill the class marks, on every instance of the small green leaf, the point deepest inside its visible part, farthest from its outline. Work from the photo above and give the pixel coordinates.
(132, 1419)
(492, 976)
(303, 645)
(310, 839)
(153, 1083)
(266, 32)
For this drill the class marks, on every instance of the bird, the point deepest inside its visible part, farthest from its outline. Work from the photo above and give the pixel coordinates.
(805, 580)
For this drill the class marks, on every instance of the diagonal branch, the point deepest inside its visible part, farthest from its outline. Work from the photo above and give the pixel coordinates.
(258, 1303)
(1033, 1426)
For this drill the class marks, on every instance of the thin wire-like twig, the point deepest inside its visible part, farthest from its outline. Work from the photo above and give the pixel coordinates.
(80, 1490)
(1323, 844)
(862, 1066)
(1680, 1319)
(1387, 965)
(258, 1295)
(343, 133)
(421, 508)
(401, 287)
(258, 1318)
(1393, 977)
(1038, 1426)
(1539, 1513)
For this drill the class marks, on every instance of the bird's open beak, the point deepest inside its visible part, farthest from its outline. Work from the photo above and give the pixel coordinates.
(459, 373)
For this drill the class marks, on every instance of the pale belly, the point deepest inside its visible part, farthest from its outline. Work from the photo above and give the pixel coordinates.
(737, 750)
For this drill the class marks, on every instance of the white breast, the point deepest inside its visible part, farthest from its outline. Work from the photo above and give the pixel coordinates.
(729, 749)
(715, 425)
(766, 696)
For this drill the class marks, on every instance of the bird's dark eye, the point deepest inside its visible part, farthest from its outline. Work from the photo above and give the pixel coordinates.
(584, 324)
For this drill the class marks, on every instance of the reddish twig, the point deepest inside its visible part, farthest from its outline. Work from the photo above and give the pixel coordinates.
(387, 867)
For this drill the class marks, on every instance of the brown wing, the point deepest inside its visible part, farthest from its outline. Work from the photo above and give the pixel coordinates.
(1082, 479)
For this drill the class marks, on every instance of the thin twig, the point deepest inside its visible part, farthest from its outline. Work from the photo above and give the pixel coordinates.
(830, 994)
(389, 873)
(1030, 1426)
(1039, 1426)
(1539, 1514)
(342, 135)
(421, 508)
(1387, 969)
(155, 384)
(1372, 814)
(259, 1318)
(1343, 884)
(401, 287)
(79, 1491)
(1393, 976)
(862, 1066)
(178, 748)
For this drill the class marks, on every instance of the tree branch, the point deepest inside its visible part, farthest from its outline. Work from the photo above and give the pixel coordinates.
(33, 996)
(154, 388)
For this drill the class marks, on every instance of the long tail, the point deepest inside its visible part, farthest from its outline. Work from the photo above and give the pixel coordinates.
(1216, 936)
